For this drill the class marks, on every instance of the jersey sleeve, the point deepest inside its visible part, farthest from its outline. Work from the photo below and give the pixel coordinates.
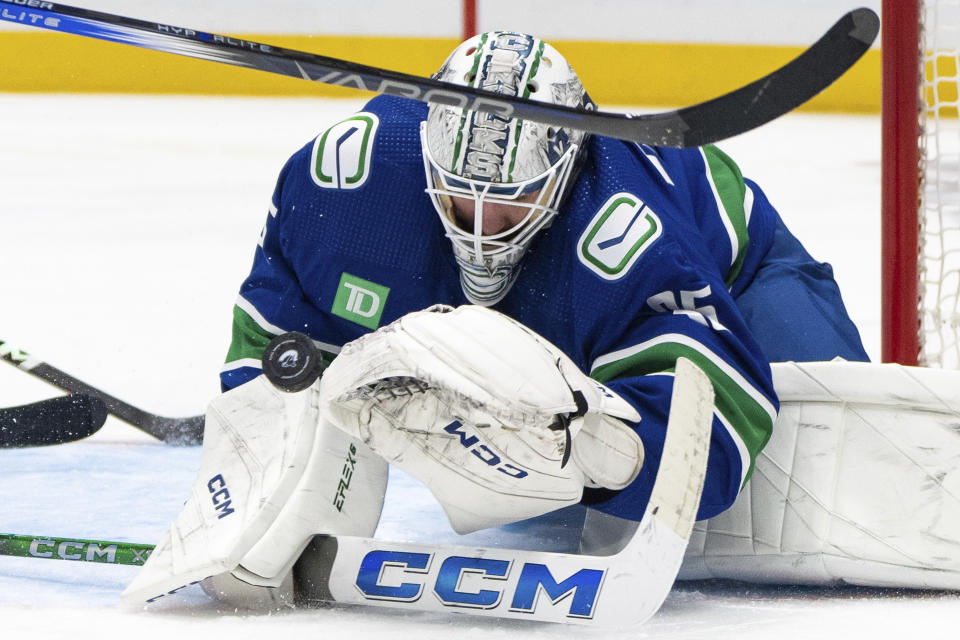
(270, 300)
(330, 247)
(676, 303)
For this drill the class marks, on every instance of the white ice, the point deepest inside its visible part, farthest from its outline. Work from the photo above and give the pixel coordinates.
(126, 226)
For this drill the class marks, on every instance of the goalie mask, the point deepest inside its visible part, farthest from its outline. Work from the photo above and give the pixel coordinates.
(517, 172)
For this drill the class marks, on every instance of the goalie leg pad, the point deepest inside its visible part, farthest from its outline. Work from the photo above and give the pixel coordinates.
(860, 484)
(256, 443)
(269, 477)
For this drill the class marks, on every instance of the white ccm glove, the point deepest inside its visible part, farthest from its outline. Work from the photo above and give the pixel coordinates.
(483, 411)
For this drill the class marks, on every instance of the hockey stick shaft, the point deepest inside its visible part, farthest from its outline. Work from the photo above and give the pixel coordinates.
(181, 431)
(731, 114)
(75, 549)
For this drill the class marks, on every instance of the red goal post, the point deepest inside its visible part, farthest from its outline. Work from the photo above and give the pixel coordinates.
(900, 190)
(921, 183)
(469, 15)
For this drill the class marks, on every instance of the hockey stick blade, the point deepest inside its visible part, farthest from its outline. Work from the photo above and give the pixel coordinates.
(620, 590)
(731, 114)
(177, 431)
(53, 421)
(75, 549)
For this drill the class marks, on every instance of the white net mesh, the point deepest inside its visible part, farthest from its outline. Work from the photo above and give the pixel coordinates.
(940, 195)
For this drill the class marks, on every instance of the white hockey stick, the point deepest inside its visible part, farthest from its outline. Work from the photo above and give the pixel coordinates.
(619, 590)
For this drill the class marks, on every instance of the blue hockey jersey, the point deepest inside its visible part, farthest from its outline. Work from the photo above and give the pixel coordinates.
(641, 266)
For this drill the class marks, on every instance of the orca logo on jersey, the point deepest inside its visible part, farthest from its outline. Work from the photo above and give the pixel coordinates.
(617, 236)
(341, 154)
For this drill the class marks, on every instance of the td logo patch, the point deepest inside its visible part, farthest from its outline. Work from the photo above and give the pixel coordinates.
(619, 233)
(360, 300)
(341, 154)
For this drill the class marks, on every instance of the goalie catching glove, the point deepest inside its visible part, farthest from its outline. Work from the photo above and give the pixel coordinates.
(497, 422)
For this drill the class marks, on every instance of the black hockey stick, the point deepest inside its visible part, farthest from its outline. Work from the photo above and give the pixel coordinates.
(53, 421)
(728, 115)
(180, 431)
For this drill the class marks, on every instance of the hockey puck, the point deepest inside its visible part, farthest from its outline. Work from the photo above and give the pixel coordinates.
(291, 362)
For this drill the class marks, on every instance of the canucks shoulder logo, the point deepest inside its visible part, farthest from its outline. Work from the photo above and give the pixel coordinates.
(341, 154)
(619, 233)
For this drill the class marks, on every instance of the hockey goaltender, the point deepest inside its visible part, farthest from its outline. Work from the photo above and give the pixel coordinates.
(585, 275)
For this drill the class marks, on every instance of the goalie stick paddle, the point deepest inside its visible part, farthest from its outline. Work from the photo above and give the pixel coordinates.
(728, 115)
(53, 421)
(178, 431)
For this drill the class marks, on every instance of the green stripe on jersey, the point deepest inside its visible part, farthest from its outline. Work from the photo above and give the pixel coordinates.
(728, 188)
(248, 339)
(741, 406)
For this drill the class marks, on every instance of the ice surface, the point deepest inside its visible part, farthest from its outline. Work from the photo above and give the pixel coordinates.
(127, 226)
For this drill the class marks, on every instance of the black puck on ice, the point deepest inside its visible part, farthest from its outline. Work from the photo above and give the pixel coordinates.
(291, 362)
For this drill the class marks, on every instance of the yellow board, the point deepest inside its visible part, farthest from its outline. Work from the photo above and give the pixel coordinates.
(615, 73)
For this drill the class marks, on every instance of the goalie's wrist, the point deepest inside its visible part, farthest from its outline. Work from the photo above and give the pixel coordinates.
(608, 452)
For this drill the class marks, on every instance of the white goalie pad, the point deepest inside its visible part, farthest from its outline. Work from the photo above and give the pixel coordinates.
(860, 484)
(271, 475)
(482, 411)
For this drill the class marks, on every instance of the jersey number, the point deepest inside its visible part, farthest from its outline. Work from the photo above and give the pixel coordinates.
(666, 302)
